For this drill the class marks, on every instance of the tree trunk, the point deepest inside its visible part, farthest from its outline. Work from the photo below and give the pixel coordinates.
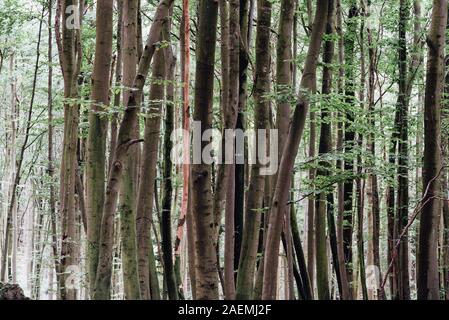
(445, 182)
(284, 89)
(311, 215)
(360, 185)
(346, 293)
(401, 219)
(245, 32)
(70, 55)
(428, 282)
(167, 175)
(222, 171)
(185, 78)
(128, 192)
(190, 224)
(51, 168)
(372, 186)
(232, 114)
(118, 83)
(206, 260)
(325, 142)
(254, 205)
(96, 141)
(148, 175)
(11, 216)
(349, 136)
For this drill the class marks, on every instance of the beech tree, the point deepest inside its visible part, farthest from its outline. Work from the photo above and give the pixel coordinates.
(428, 284)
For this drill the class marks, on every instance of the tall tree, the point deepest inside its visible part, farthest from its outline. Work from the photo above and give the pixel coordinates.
(51, 165)
(401, 219)
(167, 175)
(349, 135)
(428, 280)
(246, 8)
(128, 192)
(372, 186)
(232, 114)
(323, 170)
(185, 77)
(254, 204)
(445, 182)
(69, 46)
(96, 141)
(284, 82)
(206, 259)
(346, 293)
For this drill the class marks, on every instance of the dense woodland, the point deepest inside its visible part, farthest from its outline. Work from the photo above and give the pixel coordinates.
(354, 95)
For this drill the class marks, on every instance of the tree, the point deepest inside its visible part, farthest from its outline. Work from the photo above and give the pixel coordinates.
(254, 205)
(69, 42)
(130, 179)
(401, 219)
(428, 283)
(324, 148)
(349, 136)
(205, 259)
(96, 141)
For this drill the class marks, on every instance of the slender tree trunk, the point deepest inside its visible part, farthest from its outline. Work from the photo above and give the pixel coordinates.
(284, 88)
(401, 218)
(311, 214)
(245, 32)
(360, 185)
(415, 69)
(70, 54)
(445, 182)
(12, 168)
(185, 78)
(349, 136)
(325, 142)
(50, 165)
(190, 224)
(233, 104)
(148, 175)
(372, 187)
(346, 293)
(128, 192)
(284, 71)
(118, 83)
(220, 187)
(167, 175)
(96, 141)
(311, 210)
(206, 259)
(428, 282)
(254, 205)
